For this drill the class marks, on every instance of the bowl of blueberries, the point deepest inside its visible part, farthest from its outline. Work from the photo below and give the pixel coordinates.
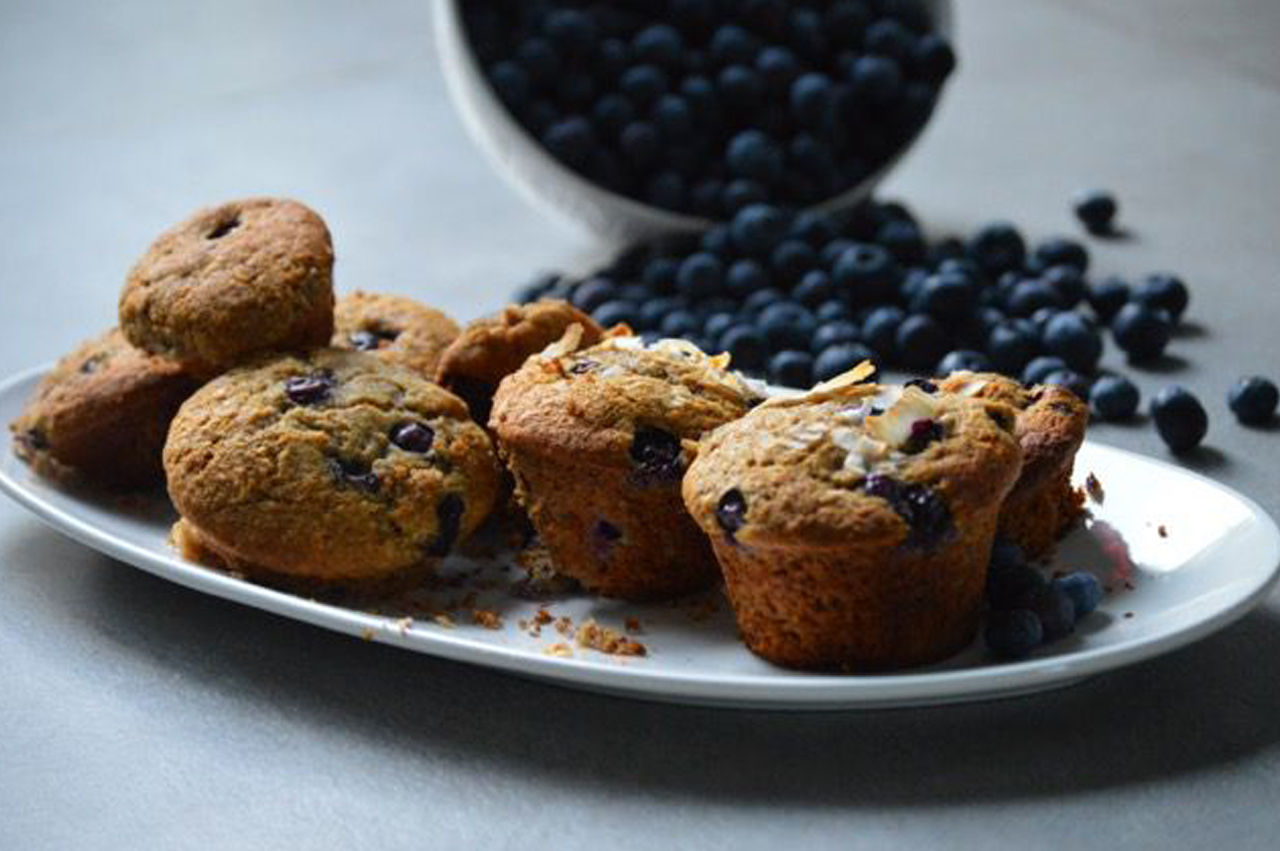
(636, 118)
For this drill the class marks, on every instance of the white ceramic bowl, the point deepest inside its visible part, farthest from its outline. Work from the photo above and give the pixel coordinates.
(554, 187)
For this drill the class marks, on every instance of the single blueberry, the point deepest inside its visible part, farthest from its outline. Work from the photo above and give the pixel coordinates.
(1253, 400)
(745, 277)
(672, 116)
(998, 247)
(657, 455)
(536, 55)
(731, 511)
(356, 474)
(838, 358)
(739, 87)
(920, 342)
(1083, 589)
(1180, 419)
(963, 360)
(787, 325)
(717, 240)
(1071, 380)
(1096, 210)
(1071, 337)
(651, 312)
(680, 323)
(933, 58)
(777, 67)
(1163, 291)
(760, 299)
(732, 44)
(1114, 397)
(790, 260)
(904, 240)
(876, 78)
(1107, 297)
(946, 296)
(616, 311)
(753, 154)
(658, 44)
(880, 330)
(791, 369)
(413, 437)
(814, 289)
(1030, 295)
(592, 293)
(1056, 611)
(309, 389)
(449, 513)
(923, 509)
(659, 274)
(1006, 554)
(835, 331)
(1040, 368)
(756, 228)
(1012, 583)
(511, 82)
(640, 143)
(643, 83)
(811, 98)
(746, 347)
(1012, 634)
(700, 275)
(1068, 283)
(717, 323)
(740, 193)
(570, 139)
(865, 273)
(833, 309)
(1060, 251)
(1141, 331)
(1011, 346)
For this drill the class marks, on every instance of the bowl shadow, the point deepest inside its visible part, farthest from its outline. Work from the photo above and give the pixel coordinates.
(1194, 710)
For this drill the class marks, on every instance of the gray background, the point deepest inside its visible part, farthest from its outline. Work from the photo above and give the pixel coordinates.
(134, 713)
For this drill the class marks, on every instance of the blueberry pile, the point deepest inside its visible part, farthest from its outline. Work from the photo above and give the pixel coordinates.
(708, 106)
(802, 297)
(1026, 609)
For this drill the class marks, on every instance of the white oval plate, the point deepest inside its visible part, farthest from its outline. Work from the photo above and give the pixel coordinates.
(1183, 556)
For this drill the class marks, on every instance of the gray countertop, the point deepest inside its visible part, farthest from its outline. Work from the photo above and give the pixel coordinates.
(135, 713)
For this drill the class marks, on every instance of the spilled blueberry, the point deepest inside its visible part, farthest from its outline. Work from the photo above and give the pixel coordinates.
(1253, 400)
(1013, 634)
(1083, 589)
(1180, 419)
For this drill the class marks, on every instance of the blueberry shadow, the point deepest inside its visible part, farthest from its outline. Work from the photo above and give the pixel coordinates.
(1196, 710)
(1163, 365)
(1189, 329)
(1204, 459)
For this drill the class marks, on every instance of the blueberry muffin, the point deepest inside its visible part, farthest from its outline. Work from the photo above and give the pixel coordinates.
(598, 440)
(1043, 505)
(101, 415)
(395, 328)
(332, 469)
(854, 523)
(491, 348)
(230, 282)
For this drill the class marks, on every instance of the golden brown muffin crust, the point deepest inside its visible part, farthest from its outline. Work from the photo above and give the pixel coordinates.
(395, 328)
(230, 282)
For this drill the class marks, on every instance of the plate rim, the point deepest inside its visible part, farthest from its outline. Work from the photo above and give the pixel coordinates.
(783, 691)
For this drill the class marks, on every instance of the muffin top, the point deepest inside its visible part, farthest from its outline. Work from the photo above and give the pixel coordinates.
(395, 328)
(615, 397)
(1051, 419)
(329, 464)
(852, 461)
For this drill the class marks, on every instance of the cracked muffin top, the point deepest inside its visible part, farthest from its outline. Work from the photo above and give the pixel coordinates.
(618, 397)
(851, 461)
(332, 465)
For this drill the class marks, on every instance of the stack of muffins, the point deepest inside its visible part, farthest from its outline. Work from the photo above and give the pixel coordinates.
(351, 445)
